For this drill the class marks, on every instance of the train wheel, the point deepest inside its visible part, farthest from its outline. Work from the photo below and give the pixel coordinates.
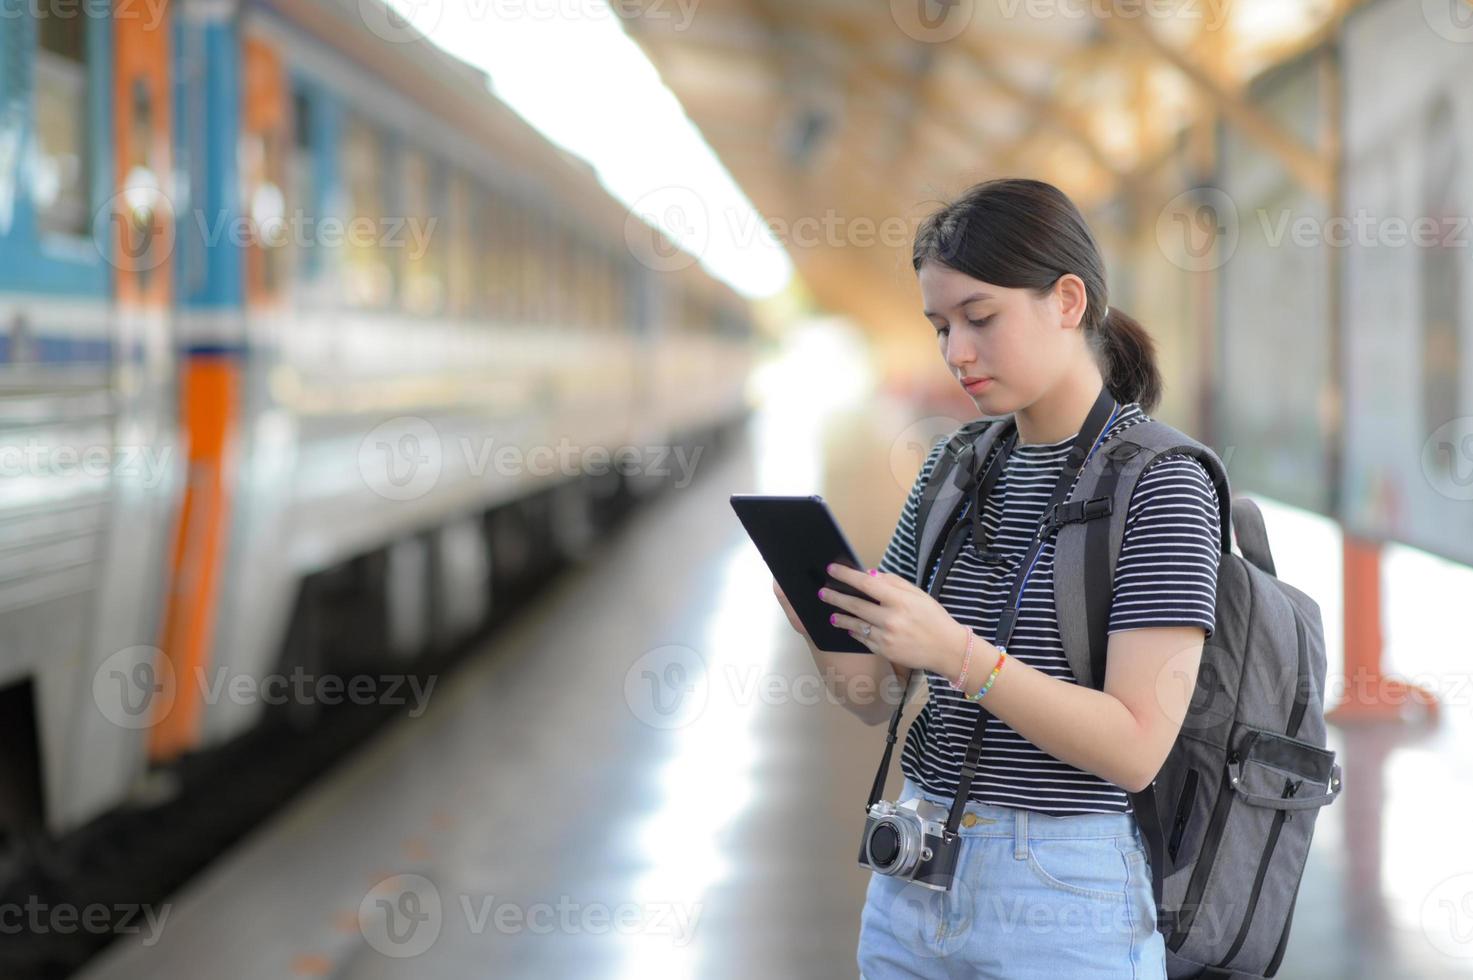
(407, 586)
(462, 582)
(572, 523)
(511, 545)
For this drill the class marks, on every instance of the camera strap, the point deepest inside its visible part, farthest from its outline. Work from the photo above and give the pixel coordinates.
(954, 537)
(1096, 424)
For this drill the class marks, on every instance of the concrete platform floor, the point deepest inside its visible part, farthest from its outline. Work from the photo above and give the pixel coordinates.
(641, 778)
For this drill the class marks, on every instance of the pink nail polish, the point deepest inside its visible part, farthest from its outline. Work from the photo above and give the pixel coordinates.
(874, 571)
(832, 617)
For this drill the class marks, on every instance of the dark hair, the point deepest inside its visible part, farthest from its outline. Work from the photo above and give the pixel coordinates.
(1025, 234)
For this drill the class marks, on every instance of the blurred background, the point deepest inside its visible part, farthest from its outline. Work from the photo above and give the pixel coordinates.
(373, 378)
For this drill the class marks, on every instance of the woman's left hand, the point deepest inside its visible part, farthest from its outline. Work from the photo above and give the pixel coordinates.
(907, 626)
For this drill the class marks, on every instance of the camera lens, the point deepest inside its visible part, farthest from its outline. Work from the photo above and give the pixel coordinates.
(884, 845)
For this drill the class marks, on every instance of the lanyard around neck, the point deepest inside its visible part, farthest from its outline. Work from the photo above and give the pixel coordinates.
(1102, 416)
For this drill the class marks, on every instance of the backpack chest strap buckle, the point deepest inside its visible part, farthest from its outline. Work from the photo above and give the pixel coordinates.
(1076, 511)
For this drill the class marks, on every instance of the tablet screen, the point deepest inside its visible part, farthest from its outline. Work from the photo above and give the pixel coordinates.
(798, 537)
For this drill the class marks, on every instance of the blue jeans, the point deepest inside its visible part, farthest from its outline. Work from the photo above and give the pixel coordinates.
(1035, 897)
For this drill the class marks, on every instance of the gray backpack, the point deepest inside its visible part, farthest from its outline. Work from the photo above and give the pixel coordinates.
(1228, 819)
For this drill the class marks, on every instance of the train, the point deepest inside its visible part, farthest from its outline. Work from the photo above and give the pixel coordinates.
(293, 307)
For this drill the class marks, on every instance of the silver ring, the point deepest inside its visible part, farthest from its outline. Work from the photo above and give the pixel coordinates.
(866, 630)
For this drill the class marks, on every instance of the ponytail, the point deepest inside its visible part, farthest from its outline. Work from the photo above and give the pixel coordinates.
(1127, 359)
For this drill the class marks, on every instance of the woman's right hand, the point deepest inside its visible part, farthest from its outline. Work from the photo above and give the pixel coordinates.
(793, 619)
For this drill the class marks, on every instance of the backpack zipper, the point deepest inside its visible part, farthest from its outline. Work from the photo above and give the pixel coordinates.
(1273, 964)
(1186, 913)
(1291, 786)
(1273, 838)
(1183, 812)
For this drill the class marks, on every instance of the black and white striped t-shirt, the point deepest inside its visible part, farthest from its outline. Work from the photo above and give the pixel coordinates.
(1166, 576)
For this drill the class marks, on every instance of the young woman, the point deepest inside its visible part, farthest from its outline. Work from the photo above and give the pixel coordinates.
(1053, 879)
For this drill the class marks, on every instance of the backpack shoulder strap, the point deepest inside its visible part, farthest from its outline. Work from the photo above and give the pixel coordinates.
(959, 463)
(1085, 552)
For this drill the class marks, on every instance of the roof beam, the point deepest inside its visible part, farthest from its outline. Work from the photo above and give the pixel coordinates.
(1043, 105)
(1305, 164)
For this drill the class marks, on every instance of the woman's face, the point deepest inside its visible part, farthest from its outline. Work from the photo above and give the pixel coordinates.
(1012, 336)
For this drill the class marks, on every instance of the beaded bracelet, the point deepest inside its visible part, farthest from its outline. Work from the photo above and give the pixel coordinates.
(966, 661)
(1002, 655)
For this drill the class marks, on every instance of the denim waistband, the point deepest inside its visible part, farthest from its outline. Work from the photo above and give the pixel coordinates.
(990, 820)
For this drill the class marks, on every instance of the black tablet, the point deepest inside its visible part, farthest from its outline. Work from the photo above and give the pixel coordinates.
(798, 537)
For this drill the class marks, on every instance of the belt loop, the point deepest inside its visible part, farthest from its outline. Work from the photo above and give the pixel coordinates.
(1020, 834)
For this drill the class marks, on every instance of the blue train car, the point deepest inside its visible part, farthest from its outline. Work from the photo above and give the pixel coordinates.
(281, 300)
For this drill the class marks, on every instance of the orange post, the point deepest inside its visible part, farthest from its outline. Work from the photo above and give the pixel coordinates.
(208, 406)
(1371, 696)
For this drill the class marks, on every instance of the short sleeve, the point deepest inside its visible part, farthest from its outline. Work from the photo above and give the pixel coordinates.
(900, 554)
(1166, 574)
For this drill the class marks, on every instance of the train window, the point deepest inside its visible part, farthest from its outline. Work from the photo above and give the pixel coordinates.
(62, 173)
(300, 183)
(618, 298)
(262, 165)
(609, 267)
(631, 312)
(601, 279)
(562, 278)
(487, 260)
(420, 238)
(586, 274)
(567, 286)
(369, 275)
(590, 258)
(559, 285)
(512, 258)
(593, 260)
(560, 282)
(494, 240)
(302, 121)
(463, 293)
(536, 252)
(573, 279)
(140, 181)
(536, 255)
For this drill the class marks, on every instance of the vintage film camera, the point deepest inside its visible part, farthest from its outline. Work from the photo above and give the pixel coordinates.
(909, 840)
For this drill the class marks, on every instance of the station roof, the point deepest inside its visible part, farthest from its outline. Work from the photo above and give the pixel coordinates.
(841, 110)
